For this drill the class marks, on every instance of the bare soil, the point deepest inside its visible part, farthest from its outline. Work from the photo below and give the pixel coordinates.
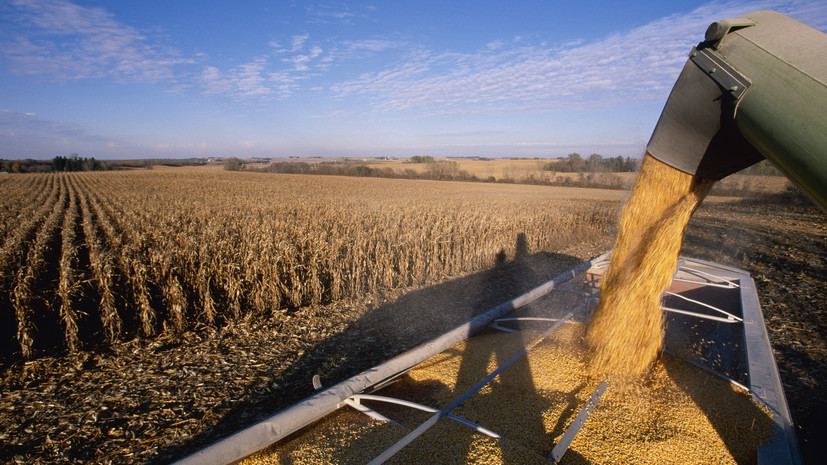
(156, 401)
(785, 250)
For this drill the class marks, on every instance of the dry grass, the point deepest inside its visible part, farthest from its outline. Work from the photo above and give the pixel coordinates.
(499, 168)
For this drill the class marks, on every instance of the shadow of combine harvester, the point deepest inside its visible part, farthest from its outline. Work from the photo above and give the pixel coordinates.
(725, 337)
(392, 328)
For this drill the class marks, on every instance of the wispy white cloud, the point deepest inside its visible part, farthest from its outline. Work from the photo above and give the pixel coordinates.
(213, 81)
(301, 62)
(343, 51)
(341, 12)
(247, 80)
(628, 67)
(372, 45)
(68, 41)
(65, 41)
(15, 123)
(61, 41)
(298, 41)
(304, 58)
(274, 74)
(251, 80)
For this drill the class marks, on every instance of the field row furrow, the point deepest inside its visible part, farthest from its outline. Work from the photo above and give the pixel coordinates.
(69, 282)
(103, 274)
(16, 199)
(32, 293)
(15, 254)
(129, 251)
(24, 201)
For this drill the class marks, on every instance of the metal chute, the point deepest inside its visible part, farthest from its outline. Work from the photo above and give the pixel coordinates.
(755, 87)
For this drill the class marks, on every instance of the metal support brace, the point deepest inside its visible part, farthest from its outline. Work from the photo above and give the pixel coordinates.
(421, 429)
(703, 274)
(700, 315)
(424, 408)
(354, 402)
(729, 316)
(563, 445)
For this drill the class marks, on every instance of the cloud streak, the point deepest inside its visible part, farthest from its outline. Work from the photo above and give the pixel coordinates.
(67, 41)
(342, 12)
(632, 67)
(15, 123)
(247, 80)
(64, 41)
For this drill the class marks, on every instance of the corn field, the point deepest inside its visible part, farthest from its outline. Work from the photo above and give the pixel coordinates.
(100, 257)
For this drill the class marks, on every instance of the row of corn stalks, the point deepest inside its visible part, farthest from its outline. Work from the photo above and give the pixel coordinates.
(101, 257)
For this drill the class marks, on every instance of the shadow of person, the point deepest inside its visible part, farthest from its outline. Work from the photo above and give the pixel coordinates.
(391, 328)
(513, 390)
(521, 249)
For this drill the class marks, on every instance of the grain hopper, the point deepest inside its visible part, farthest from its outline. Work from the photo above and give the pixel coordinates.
(508, 386)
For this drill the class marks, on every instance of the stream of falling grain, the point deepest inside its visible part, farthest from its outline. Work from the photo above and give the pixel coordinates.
(626, 329)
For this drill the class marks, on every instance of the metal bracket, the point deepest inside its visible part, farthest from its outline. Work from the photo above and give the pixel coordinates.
(716, 31)
(565, 441)
(356, 398)
(719, 71)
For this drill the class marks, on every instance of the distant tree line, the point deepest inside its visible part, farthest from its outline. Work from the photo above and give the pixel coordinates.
(438, 170)
(762, 168)
(71, 163)
(596, 163)
(75, 163)
(25, 166)
(575, 163)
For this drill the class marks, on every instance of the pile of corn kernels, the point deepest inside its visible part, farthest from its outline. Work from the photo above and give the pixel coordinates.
(676, 414)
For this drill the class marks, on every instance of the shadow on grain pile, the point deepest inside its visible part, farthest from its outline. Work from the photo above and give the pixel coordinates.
(388, 330)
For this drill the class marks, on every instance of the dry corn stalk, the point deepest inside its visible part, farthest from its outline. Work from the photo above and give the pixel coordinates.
(102, 274)
(174, 250)
(68, 285)
(26, 293)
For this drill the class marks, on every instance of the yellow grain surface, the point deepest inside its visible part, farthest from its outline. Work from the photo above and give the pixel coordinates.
(675, 414)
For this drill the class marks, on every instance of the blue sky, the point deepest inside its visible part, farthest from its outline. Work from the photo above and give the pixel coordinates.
(139, 79)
